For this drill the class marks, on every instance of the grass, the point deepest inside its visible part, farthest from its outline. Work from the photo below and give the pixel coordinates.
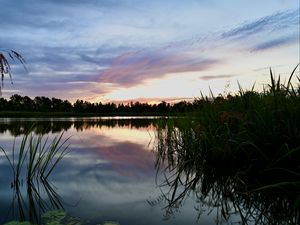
(33, 161)
(240, 154)
(39, 155)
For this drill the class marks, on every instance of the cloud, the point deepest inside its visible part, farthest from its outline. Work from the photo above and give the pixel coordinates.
(33, 14)
(71, 45)
(109, 49)
(10, 91)
(122, 156)
(101, 61)
(154, 100)
(266, 68)
(274, 43)
(273, 23)
(212, 77)
(133, 68)
(127, 158)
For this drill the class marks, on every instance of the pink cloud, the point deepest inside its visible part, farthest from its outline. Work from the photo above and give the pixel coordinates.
(129, 159)
(135, 67)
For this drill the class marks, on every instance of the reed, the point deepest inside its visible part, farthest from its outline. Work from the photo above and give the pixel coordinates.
(40, 156)
(237, 153)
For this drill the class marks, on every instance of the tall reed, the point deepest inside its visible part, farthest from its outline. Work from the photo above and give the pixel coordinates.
(238, 153)
(39, 155)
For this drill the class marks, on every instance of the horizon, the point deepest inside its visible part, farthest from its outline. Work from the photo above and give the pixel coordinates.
(123, 51)
(128, 102)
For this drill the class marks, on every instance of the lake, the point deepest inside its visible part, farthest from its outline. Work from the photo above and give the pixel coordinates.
(109, 174)
(132, 170)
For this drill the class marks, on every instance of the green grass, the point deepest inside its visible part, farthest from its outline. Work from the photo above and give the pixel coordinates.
(33, 161)
(240, 154)
(37, 156)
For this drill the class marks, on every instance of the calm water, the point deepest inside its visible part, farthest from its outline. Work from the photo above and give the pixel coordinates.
(109, 174)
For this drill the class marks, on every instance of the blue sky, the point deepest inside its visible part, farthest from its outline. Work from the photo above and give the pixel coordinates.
(109, 50)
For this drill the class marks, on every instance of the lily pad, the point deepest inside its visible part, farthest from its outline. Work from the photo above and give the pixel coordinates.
(71, 221)
(18, 223)
(111, 223)
(53, 217)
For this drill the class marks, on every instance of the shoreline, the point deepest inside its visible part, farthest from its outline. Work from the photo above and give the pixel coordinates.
(27, 114)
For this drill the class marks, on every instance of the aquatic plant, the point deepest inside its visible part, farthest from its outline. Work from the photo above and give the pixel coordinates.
(18, 223)
(52, 217)
(41, 197)
(240, 155)
(39, 154)
(33, 161)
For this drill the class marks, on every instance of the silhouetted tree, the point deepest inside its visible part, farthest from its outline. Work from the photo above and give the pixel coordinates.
(45, 104)
(3, 104)
(16, 102)
(28, 103)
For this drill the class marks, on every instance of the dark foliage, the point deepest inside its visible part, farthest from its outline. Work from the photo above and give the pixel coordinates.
(240, 156)
(19, 103)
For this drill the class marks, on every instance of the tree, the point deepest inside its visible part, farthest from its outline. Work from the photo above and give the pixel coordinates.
(16, 102)
(43, 104)
(5, 65)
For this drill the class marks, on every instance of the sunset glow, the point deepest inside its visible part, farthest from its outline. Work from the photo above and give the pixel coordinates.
(147, 51)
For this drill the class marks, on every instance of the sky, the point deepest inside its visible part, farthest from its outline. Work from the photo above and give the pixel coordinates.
(149, 51)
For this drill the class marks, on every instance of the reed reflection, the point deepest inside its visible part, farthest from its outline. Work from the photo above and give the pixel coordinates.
(31, 200)
(31, 163)
(235, 192)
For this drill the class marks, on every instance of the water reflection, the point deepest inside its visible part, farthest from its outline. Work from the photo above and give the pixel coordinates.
(21, 126)
(233, 193)
(108, 175)
(31, 200)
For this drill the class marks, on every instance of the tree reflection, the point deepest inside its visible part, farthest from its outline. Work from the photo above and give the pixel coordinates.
(19, 127)
(234, 191)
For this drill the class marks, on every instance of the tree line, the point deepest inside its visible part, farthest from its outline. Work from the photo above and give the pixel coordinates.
(20, 127)
(44, 104)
